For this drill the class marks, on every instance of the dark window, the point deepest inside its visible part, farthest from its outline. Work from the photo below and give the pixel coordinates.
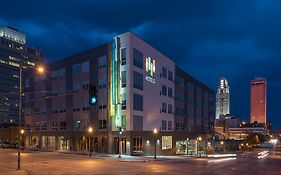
(123, 121)
(138, 80)
(137, 58)
(164, 125)
(164, 107)
(62, 125)
(85, 85)
(138, 102)
(102, 124)
(123, 99)
(170, 75)
(37, 126)
(75, 69)
(123, 78)
(137, 145)
(170, 109)
(170, 125)
(43, 126)
(123, 56)
(77, 125)
(164, 72)
(164, 90)
(177, 126)
(85, 66)
(138, 123)
(170, 92)
(55, 126)
(27, 127)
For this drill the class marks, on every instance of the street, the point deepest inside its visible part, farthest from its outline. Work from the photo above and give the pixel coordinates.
(60, 163)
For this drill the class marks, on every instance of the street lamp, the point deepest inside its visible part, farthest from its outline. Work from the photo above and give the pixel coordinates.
(40, 70)
(155, 134)
(90, 130)
(22, 131)
(120, 132)
(198, 140)
(222, 145)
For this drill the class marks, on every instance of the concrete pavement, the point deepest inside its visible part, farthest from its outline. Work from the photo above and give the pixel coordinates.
(53, 163)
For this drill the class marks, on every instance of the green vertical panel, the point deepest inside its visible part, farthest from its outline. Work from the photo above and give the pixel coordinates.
(123, 120)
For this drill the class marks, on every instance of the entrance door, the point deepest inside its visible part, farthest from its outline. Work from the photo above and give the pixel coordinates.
(123, 145)
(120, 145)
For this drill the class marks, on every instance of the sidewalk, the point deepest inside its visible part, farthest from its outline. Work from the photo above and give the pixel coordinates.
(123, 157)
(13, 172)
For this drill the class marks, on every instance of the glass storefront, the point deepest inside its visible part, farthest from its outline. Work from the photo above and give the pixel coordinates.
(188, 147)
(63, 143)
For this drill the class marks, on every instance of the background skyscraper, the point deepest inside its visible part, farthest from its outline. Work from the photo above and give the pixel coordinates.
(258, 100)
(222, 98)
(13, 52)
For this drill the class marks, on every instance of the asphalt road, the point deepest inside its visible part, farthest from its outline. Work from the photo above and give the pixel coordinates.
(66, 164)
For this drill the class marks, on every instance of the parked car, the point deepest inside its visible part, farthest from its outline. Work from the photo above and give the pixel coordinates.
(5, 145)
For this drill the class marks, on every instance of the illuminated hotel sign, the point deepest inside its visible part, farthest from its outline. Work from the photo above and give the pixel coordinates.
(150, 69)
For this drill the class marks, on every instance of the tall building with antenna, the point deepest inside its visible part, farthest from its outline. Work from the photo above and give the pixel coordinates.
(222, 98)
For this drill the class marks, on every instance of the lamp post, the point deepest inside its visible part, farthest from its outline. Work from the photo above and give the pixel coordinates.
(90, 130)
(21, 136)
(155, 138)
(40, 70)
(120, 132)
(198, 140)
(222, 145)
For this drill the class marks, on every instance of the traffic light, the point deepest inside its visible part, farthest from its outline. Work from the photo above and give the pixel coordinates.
(93, 98)
(120, 132)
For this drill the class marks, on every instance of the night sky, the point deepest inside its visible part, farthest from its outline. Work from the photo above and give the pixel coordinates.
(208, 39)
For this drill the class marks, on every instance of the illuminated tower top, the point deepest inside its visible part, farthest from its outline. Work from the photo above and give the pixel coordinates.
(222, 98)
(12, 34)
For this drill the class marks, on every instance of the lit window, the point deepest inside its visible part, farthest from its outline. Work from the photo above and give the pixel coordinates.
(166, 142)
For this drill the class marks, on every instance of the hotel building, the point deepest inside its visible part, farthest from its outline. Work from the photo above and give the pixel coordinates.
(138, 89)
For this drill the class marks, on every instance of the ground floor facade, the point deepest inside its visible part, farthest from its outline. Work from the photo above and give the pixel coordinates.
(129, 143)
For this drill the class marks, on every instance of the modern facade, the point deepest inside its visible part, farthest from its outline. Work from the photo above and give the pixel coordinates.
(135, 87)
(194, 104)
(258, 101)
(222, 99)
(13, 52)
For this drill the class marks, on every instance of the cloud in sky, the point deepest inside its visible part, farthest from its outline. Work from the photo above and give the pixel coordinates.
(208, 39)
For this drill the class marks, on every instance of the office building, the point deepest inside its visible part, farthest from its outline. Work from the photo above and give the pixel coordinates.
(222, 99)
(13, 51)
(123, 90)
(258, 101)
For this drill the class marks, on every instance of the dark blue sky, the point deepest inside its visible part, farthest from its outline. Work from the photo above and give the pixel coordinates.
(207, 38)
